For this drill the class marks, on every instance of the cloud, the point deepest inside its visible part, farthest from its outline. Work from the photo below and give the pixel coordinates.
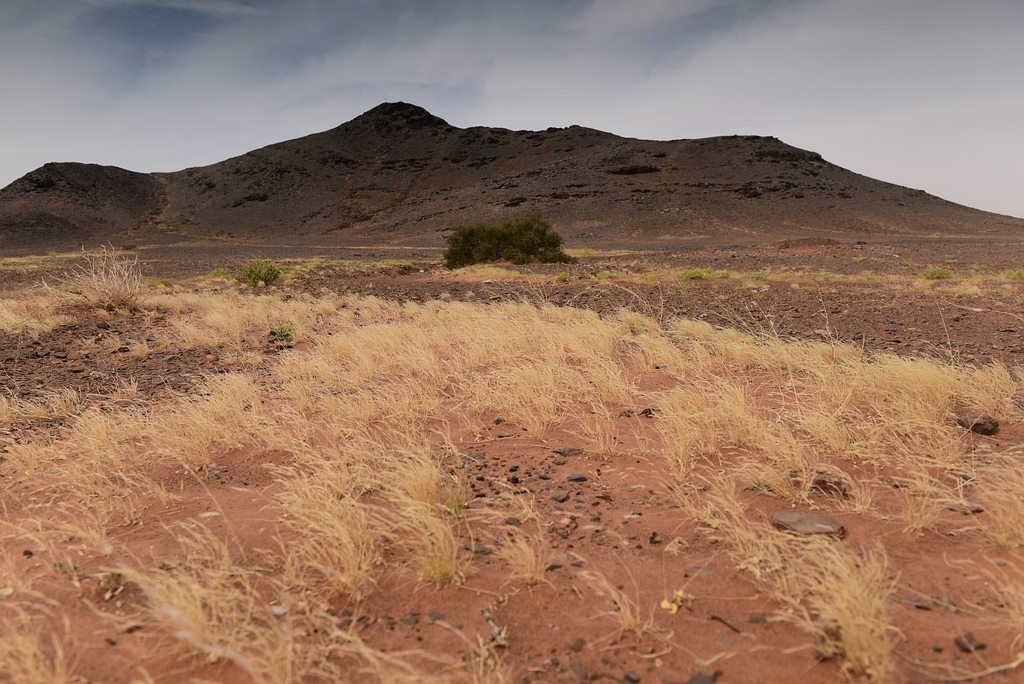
(920, 92)
(214, 7)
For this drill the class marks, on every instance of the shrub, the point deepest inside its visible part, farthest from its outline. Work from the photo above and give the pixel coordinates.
(520, 241)
(107, 279)
(937, 274)
(259, 272)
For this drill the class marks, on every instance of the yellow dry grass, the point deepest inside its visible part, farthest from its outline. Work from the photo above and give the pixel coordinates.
(365, 420)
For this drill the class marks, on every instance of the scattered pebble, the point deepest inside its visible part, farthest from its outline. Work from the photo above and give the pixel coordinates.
(807, 523)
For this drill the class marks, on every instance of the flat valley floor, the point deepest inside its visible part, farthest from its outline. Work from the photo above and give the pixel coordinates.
(796, 462)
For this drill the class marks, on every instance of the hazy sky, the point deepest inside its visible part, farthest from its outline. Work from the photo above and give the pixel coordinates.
(926, 93)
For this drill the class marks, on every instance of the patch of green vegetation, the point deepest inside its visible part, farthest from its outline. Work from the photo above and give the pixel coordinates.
(936, 274)
(260, 272)
(758, 275)
(157, 281)
(561, 278)
(520, 241)
(223, 273)
(703, 274)
(584, 252)
(1015, 274)
(285, 333)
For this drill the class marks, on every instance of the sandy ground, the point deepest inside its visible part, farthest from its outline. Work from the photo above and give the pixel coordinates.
(611, 529)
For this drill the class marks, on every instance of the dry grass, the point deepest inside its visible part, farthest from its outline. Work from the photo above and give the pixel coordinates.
(108, 279)
(31, 313)
(362, 428)
(626, 612)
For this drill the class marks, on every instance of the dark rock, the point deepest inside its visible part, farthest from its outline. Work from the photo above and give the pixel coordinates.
(982, 424)
(968, 644)
(577, 645)
(567, 451)
(633, 169)
(655, 538)
(436, 615)
(576, 477)
(103, 325)
(631, 677)
(807, 523)
(577, 668)
(649, 412)
(822, 481)
(701, 678)
(561, 496)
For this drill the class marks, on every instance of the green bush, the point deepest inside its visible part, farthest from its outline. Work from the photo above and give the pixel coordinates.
(520, 241)
(259, 272)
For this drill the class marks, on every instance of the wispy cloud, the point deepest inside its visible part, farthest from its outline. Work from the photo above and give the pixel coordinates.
(215, 7)
(921, 92)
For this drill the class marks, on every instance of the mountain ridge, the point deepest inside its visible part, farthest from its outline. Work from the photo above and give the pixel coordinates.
(401, 175)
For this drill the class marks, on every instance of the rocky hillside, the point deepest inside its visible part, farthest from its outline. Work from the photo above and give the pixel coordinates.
(398, 174)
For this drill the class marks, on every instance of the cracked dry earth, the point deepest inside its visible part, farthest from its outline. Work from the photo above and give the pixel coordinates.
(642, 576)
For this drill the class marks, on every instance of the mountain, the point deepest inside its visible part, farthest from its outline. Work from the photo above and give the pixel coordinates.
(397, 174)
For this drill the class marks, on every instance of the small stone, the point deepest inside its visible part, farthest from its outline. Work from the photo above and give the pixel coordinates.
(436, 615)
(579, 670)
(103, 325)
(577, 645)
(631, 677)
(627, 413)
(561, 496)
(982, 424)
(567, 451)
(654, 539)
(649, 412)
(822, 481)
(701, 678)
(478, 548)
(806, 523)
(576, 477)
(499, 421)
(968, 644)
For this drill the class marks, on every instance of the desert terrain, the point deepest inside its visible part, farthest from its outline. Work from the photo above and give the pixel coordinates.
(763, 439)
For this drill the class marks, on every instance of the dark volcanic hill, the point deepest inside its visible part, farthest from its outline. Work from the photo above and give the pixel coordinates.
(398, 174)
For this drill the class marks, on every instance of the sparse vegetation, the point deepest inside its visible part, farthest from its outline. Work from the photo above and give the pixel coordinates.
(259, 272)
(303, 510)
(107, 279)
(936, 274)
(519, 241)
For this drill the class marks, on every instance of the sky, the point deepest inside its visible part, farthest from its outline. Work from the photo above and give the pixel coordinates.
(924, 93)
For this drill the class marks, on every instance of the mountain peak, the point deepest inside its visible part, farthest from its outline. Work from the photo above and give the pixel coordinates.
(389, 115)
